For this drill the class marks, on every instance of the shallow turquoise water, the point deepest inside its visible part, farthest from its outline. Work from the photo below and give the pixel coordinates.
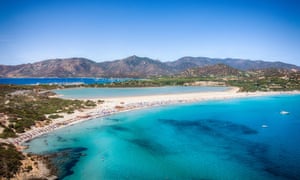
(207, 140)
(121, 92)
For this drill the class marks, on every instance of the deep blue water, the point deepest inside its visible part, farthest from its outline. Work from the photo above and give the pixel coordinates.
(34, 81)
(208, 140)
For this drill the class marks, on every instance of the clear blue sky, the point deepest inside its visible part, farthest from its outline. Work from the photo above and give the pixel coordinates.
(34, 30)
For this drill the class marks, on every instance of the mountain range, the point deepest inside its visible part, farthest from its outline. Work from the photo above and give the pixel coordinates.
(133, 66)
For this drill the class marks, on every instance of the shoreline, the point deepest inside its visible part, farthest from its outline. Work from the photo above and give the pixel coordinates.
(123, 104)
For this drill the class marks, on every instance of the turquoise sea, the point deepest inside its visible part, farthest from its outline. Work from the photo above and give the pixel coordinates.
(206, 140)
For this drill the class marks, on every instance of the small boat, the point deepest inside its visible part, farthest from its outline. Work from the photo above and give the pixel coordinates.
(264, 126)
(284, 112)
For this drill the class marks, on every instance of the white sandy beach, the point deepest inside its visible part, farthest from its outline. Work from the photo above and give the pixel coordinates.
(121, 104)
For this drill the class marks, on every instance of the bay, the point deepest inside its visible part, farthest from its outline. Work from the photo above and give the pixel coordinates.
(205, 140)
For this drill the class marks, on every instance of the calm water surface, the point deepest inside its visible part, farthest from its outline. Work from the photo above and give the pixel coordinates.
(121, 92)
(207, 140)
(34, 81)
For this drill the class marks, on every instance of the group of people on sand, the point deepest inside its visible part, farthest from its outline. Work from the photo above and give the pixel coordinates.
(122, 106)
(103, 112)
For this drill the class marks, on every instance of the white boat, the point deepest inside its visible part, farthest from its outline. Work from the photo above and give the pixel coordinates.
(284, 112)
(264, 126)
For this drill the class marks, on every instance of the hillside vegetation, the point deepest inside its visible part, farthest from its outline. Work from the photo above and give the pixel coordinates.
(23, 106)
(248, 81)
(10, 160)
(133, 66)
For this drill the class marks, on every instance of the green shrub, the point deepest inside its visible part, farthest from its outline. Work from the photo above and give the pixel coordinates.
(54, 116)
(7, 133)
(10, 160)
(90, 103)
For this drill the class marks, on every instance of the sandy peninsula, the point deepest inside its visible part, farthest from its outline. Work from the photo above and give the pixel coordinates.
(115, 105)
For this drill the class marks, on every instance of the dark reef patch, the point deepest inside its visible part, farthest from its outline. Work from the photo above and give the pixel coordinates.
(65, 159)
(282, 172)
(238, 148)
(231, 127)
(75, 139)
(61, 139)
(184, 126)
(150, 146)
(210, 126)
(113, 119)
(119, 128)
